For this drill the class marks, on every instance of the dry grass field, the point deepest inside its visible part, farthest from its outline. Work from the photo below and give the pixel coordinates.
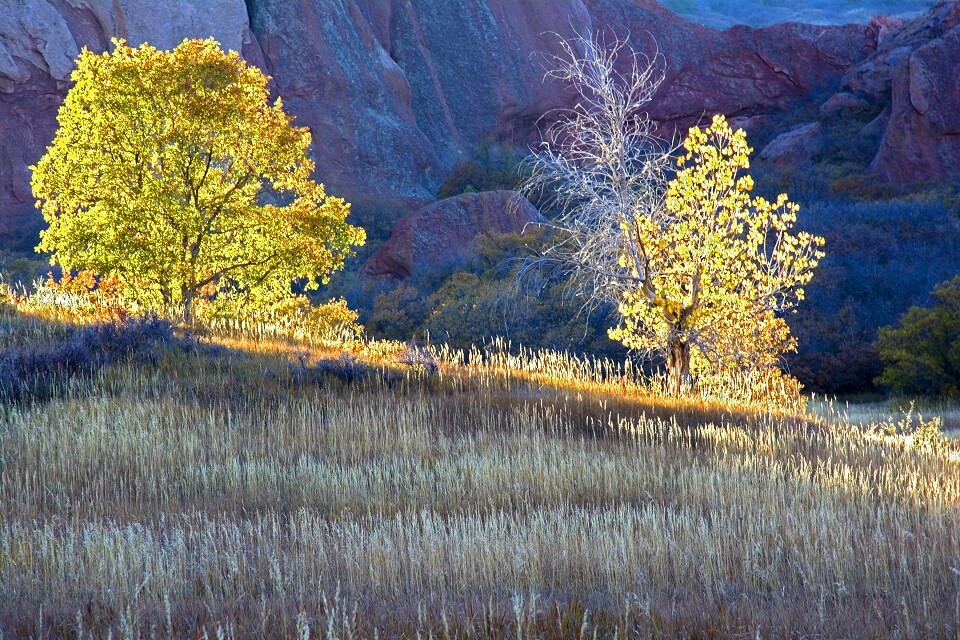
(244, 493)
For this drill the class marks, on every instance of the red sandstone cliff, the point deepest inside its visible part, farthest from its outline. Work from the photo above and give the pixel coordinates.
(396, 92)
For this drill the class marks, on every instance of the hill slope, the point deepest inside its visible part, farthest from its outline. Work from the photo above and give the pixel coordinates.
(240, 495)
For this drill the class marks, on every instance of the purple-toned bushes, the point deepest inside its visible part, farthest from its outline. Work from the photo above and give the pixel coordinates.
(32, 372)
(418, 358)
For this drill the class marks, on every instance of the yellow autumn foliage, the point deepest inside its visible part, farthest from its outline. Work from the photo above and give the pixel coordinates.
(172, 171)
(720, 267)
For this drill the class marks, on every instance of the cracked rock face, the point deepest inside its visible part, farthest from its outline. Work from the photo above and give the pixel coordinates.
(741, 72)
(396, 92)
(922, 137)
(48, 34)
(872, 77)
(922, 140)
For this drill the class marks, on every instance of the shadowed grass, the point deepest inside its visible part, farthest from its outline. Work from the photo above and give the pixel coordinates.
(260, 494)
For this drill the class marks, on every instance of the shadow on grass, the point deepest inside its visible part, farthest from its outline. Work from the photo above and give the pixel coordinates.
(41, 360)
(40, 357)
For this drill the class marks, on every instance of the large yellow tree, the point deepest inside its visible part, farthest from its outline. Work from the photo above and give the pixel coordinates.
(717, 269)
(173, 171)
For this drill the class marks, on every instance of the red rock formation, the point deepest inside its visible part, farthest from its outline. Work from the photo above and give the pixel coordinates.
(396, 92)
(872, 78)
(922, 138)
(443, 234)
(794, 147)
(739, 72)
(27, 123)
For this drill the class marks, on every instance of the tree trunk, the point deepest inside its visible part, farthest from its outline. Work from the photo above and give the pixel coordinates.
(678, 367)
(187, 296)
(167, 295)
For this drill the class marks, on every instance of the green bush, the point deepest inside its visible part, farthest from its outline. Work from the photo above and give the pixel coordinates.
(922, 355)
(471, 177)
(398, 314)
(466, 177)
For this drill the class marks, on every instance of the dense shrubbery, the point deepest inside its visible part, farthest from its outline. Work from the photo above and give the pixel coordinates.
(290, 317)
(345, 367)
(470, 176)
(483, 300)
(85, 298)
(399, 313)
(466, 177)
(79, 297)
(887, 245)
(33, 371)
(21, 267)
(922, 354)
(882, 258)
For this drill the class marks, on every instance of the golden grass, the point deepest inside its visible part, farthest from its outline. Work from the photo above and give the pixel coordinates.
(537, 496)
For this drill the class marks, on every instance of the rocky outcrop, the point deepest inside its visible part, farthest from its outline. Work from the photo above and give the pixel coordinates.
(922, 139)
(794, 147)
(896, 40)
(442, 235)
(396, 92)
(739, 72)
(841, 104)
(914, 79)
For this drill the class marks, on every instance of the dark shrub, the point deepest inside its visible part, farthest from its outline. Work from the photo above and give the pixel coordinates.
(922, 354)
(417, 357)
(466, 177)
(32, 372)
(346, 367)
(882, 258)
(471, 177)
(398, 314)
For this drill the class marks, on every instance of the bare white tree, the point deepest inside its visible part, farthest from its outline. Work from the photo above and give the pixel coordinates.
(599, 166)
(694, 266)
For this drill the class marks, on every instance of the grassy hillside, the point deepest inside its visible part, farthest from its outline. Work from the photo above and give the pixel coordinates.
(179, 489)
(724, 13)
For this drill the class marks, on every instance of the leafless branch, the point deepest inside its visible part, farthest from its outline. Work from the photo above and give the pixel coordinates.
(600, 165)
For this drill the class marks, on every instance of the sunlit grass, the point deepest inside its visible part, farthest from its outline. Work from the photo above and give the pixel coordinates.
(477, 494)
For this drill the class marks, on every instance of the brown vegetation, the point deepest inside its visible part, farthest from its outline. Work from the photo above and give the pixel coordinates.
(234, 496)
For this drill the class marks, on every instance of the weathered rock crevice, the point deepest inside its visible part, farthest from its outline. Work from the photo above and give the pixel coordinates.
(396, 92)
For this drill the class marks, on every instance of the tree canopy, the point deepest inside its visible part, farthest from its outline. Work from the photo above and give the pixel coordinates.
(173, 171)
(717, 268)
(922, 354)
(700, 271)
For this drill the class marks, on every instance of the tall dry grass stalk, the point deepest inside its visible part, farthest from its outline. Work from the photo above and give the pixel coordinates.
(212, 497)
(259, 493)
(332, 328)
